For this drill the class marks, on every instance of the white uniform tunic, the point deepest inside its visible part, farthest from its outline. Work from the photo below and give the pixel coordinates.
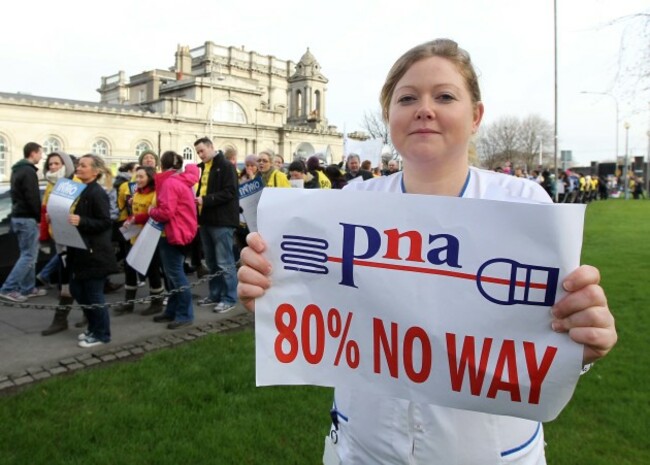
(385, 430)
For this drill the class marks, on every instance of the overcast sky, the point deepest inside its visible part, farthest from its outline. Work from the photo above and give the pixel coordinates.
(61, 49)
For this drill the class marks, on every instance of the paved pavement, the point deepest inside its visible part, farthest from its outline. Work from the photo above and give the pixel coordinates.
(26, 356)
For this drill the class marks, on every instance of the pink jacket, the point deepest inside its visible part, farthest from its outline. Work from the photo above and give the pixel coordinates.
(175, 205)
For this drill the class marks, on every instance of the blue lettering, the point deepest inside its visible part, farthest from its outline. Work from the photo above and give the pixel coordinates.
(446, 253)
(348, 256)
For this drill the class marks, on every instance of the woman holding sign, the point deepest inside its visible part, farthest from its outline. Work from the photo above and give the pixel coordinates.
(432, 104)
(89, 267)
(143, 198)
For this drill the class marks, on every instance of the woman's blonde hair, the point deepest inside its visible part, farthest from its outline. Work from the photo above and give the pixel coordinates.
(104, 174)
(270, 153)
(443, 48)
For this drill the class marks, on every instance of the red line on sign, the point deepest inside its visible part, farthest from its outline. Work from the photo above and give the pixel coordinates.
(453, 274)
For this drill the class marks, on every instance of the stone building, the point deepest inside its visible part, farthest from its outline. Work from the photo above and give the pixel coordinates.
(238, 98)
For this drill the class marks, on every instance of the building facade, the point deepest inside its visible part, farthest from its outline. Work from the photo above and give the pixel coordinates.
(240, 99)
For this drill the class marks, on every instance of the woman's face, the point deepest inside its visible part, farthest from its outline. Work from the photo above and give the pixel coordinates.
(86, 172)
(149, 160)
(54, 164)
(278, 163)
(141, 178)
(264, 162)
(251, 169)
(431, 115)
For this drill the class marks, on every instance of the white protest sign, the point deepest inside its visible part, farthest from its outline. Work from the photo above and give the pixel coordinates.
(436, 299)
(297, 183)
(130, 230)
(249, 196)
(63, 195)
(141, 253)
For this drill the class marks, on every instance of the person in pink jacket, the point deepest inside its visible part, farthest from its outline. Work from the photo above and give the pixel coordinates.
(175, 209)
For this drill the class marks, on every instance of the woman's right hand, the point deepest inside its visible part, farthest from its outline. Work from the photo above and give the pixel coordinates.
(254, 274)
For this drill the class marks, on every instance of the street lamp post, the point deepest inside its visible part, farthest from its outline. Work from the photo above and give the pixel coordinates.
(540, 151)
(615, 103)
(647, 168)
(626, 178)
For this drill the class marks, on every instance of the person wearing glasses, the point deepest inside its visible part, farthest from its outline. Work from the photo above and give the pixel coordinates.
(271, 176)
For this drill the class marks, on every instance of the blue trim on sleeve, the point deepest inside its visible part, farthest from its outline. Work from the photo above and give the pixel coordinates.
(525, 444)
(339, 414)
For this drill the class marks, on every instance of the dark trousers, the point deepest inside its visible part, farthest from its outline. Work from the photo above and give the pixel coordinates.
(91, 291)
(179, 304)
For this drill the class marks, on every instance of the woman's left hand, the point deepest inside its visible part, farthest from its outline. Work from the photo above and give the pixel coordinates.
(74, 220)
(584, 314)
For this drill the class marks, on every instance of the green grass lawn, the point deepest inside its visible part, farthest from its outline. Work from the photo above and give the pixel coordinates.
(607, 421)
(198, 403)
(194, 404)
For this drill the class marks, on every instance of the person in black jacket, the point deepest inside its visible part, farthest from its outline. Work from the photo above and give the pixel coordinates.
(89, 267)
(353, 168)
(218, 203)
(25, 217)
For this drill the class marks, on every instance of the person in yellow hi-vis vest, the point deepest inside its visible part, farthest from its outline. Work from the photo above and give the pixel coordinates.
(271, 176)
(58, 164)
(143, 198)
(218, 203)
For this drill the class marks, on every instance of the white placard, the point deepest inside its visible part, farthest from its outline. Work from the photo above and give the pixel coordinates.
(435, 299)
(63, 195)
(249, 196)
(130, 230)
(141, 253)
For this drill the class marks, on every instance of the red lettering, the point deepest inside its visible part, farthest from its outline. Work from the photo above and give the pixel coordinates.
(380, 341)
(467, 361)
(537, 373)
(392, 248)
(312, 312)
(286, 332)
(411, 335)
(507, 356)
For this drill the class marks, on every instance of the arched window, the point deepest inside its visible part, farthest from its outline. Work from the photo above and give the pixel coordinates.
(317, 106)
(304, 151)
(141, 147)
(100, 147)
(51, 144)
(188, 153)
(298, 103)
(229, 112)
(3, 156)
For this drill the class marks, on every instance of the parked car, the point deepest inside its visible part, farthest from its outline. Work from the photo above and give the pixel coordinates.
(8, 241)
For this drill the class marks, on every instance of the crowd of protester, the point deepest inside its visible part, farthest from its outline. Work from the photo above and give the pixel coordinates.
(203, 229)
(576, 187)
(203, 237)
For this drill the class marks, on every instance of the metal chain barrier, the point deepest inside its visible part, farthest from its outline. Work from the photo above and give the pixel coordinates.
(142, 300)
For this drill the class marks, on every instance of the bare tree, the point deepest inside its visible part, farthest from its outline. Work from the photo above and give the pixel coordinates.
(514, 140)
(633, 74)
(499, 142)
(535, 133)
(376, 127)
